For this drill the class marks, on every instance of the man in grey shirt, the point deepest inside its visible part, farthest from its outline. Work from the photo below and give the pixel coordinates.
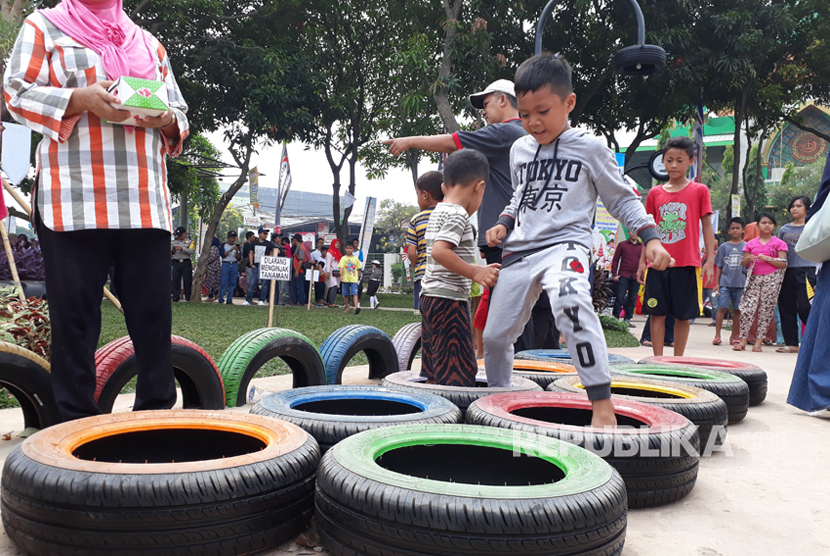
(499, 109)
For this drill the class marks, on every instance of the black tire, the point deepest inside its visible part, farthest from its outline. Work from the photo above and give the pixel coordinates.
(407, 342)
(731, 389)
(654, 450)
(564, 356)
(646, 59)
(754, 376)
(369, 503)
(255, 499)
(197, 375)
(27, 377)
(332, 413)
(347, 341)
(249, 352)
(460, 396)
(699, 406)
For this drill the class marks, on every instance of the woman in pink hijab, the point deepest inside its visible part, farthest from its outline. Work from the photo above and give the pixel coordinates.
(101, 197)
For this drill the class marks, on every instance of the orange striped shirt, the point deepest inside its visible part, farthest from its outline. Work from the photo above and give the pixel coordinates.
(93, 175)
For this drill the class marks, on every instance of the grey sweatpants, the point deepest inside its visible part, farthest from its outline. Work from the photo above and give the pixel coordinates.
(562, 271)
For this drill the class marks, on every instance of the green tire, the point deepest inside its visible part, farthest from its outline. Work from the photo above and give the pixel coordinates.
(731, 389)
(251, 351)
(364, 505)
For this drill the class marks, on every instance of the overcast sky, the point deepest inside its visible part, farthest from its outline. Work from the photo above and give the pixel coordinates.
(310, 172)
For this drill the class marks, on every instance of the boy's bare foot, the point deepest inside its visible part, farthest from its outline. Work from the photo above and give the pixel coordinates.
(346, 311)
(757, 348)
(603, 414)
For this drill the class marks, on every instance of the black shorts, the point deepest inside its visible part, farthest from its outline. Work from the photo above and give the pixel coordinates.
(674, 291)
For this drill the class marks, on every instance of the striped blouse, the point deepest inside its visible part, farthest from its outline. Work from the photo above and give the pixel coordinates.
(93, 175)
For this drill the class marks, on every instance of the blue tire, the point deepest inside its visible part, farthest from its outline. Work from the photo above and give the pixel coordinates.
(345, 342)
(564, 356)
(332, 413)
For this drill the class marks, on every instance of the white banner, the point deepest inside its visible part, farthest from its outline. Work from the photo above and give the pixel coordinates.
(275, 268)
(17, 144)
(253, 221)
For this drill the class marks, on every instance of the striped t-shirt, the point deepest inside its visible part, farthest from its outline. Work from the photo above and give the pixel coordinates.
(416, 235)
(449, 223)
(93, 174)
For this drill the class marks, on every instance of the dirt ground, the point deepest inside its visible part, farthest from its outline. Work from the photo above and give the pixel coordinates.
(766, 494)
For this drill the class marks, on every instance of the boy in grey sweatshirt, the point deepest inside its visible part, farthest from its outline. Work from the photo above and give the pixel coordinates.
(557, 174)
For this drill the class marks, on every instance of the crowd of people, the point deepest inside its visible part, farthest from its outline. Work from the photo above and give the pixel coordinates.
(233, 271)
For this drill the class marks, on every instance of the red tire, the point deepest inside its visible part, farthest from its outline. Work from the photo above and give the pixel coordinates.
(655, 450)
(754, 376)
(199, 379)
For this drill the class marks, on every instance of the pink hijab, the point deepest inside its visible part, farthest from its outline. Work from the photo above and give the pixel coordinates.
(105, 28)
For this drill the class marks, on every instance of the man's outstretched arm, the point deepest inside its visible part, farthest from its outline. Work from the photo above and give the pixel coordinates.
(433, 143)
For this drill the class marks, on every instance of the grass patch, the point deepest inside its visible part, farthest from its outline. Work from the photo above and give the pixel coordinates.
(620, 339)
(399, 300)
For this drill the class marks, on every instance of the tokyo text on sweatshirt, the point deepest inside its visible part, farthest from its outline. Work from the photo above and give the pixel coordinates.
(556, 188)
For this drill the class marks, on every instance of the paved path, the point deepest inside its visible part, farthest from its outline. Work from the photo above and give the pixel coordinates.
(767, 496)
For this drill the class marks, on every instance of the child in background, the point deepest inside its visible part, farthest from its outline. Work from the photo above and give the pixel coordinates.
(373, 277)
(447, 338)
(349, 273)
(428, 188)
(765, 257)
(557, 173)
(680, 208)
(332, 272)
(730, 279)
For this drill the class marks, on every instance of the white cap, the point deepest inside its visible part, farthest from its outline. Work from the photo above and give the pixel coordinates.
(500, 86)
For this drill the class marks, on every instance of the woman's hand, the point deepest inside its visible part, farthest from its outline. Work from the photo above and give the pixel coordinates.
(164, 120)
(97, 100)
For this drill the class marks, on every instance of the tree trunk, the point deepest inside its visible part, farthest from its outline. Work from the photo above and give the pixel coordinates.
(749, 191)
(183, 210)
(216, 216)
(439, 92)
(736, 147)
(412, 162)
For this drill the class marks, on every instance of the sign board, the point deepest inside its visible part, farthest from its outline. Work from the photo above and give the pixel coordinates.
(253, 179)
(736, 205)
(322, 228)
(309, 238)
(605, 235)
(328, 238)
(368, 226)
(253, 221)
(275, 268)
(312, 277)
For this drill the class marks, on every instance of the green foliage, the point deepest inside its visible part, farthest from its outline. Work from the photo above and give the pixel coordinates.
(610, 323)
(391, 225)
(191, 175)
(231, 220)
(795, 182)
(728, 159)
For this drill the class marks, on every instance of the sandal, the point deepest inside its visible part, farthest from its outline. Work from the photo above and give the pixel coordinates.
(757, 349)
(787, 349)
(646, 343)
(717, 341)
(738, 347)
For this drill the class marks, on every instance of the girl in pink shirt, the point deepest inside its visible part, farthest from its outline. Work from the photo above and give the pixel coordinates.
(766, 258)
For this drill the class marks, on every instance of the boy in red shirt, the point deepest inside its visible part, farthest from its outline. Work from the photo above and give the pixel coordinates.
(680, 208)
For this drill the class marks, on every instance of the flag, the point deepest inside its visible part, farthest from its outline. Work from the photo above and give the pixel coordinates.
(253, 180)
(443, 156)
(282, 187)
(697, 135)
(348, 200)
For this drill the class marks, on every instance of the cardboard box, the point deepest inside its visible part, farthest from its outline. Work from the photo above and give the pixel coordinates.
(141, 97)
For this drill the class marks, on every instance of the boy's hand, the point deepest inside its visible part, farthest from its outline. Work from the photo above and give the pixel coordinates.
(603, 414)
(659, 257)
(496, 234)
(657, 254)
(616, 278)
(487, 275)
(708, 272)
(397, 146)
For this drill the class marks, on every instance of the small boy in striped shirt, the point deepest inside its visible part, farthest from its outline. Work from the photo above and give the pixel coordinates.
(447, 335)
(430, 194)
